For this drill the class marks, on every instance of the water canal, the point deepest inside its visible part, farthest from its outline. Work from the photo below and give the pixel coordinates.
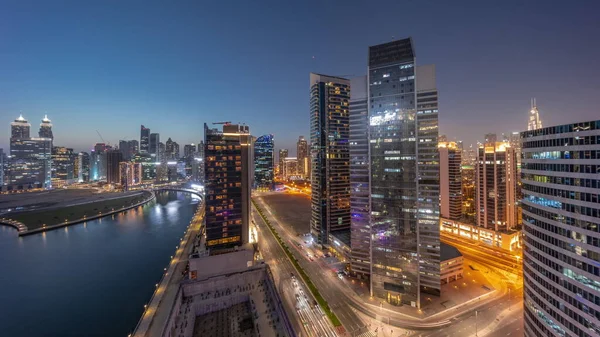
(90, 279)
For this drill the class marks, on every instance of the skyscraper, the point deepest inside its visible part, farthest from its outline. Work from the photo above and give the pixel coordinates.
(98, 162)
(82, 167)
(63, 166)
(169, 149)
(263, 162)
(330, 155)
(148, 166)
(20, 128)
(283, 153)
(360, 238)
(198, 164)
(189, 150)
(450, 181)
(404, 175)
(302, 156)
(227, 185)
(534, 117)
(561, 217)
(496, 184)
(46, 128)
(144, 139)
(113, 158)
(3, 161)
(31, 158)
(153, 147)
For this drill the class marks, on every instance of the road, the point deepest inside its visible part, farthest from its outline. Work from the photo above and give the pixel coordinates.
(508, 285)
(296, 298)
(326, 282)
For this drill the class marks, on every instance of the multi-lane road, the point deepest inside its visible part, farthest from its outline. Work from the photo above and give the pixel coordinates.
(498, 315)
(308, 318)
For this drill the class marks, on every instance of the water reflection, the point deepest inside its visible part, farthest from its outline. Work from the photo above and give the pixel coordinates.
(90, 279)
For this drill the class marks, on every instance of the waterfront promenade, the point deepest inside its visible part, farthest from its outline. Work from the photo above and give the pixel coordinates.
(156, 312)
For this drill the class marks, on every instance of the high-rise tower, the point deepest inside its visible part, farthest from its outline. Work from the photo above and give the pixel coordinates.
(330, 155)
(227, 184)
(46, 128)
(404, 159)
(20, 128)
(534, 117)
(302, 156)
(263, 162)
(154, 145)
(561, 218)
(283, 153)
(360, 238)
(450, 181)
(144, 139)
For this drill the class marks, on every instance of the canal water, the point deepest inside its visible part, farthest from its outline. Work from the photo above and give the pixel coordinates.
(90, 279)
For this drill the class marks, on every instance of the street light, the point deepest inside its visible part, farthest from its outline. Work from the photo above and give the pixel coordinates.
(475, 323)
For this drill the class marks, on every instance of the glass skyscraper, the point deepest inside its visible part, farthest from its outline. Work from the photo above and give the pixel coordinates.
(330, 155)
(144, 139)
(227, 158)
(263, 162)
(404, 175)
(30, 158)
(360, 238)
(561, 216)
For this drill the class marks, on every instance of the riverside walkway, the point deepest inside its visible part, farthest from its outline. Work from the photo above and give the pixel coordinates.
(157, 312)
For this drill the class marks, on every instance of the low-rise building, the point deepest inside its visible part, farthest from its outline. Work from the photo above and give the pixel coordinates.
(509, 240)
(451, 263)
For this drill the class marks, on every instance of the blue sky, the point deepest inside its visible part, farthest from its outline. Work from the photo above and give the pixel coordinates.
(113, 65)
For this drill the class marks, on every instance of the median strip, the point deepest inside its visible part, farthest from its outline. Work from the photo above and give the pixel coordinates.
(315, 292)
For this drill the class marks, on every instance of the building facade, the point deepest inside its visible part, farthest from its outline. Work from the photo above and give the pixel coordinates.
(46, 128)
(144, 139)
(534, 122)
(283, 153)
(330, 155)
(405, 253)
(496, 184)
(30, 158)
(360, 238)
(561, 216)
(302, 156)
(154, 145)
(450, 181)
(113, 158)
(63, 166)
(227, 185)
(81, 167)
(264, 162)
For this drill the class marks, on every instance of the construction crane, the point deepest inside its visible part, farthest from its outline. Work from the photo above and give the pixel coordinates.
(226, 123)
(103, 141)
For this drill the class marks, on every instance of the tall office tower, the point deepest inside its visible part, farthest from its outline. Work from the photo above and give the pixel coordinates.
(46, 128)
(561, 217)
(19, 129)
(302, 155)
(124, 148)
(227, 186)
(263, 162)
(63, 166)
(290, 168)
(514, 139)
(404, 175)
(198, 164)
(360, 229)
(470, 156)
(98, 162)
(490, 138)
(134, 147)
(534, 117)
(169, 149)
(81, 167)
(176, 153)
(189, 150)
(450, 181)
(161, 151)
(428, 184)
(330, 155)
(468, 193)
(154, 143)
(2, 161)
(283, 153)
(31, 158)
(144, 139)
(113, 158)
(496, 184)
(148, 166)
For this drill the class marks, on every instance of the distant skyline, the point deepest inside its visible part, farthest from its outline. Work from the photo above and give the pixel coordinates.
(112, 66)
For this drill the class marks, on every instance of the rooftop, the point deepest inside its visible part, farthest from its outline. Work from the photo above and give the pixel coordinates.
(448, 252)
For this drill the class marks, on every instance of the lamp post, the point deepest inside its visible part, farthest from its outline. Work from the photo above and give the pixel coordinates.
(475, 323)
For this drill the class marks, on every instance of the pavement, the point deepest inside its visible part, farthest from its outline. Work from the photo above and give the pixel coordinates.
(346, 303)
(156, 313)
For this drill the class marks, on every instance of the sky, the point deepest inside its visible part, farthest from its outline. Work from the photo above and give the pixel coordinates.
(109, 66)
